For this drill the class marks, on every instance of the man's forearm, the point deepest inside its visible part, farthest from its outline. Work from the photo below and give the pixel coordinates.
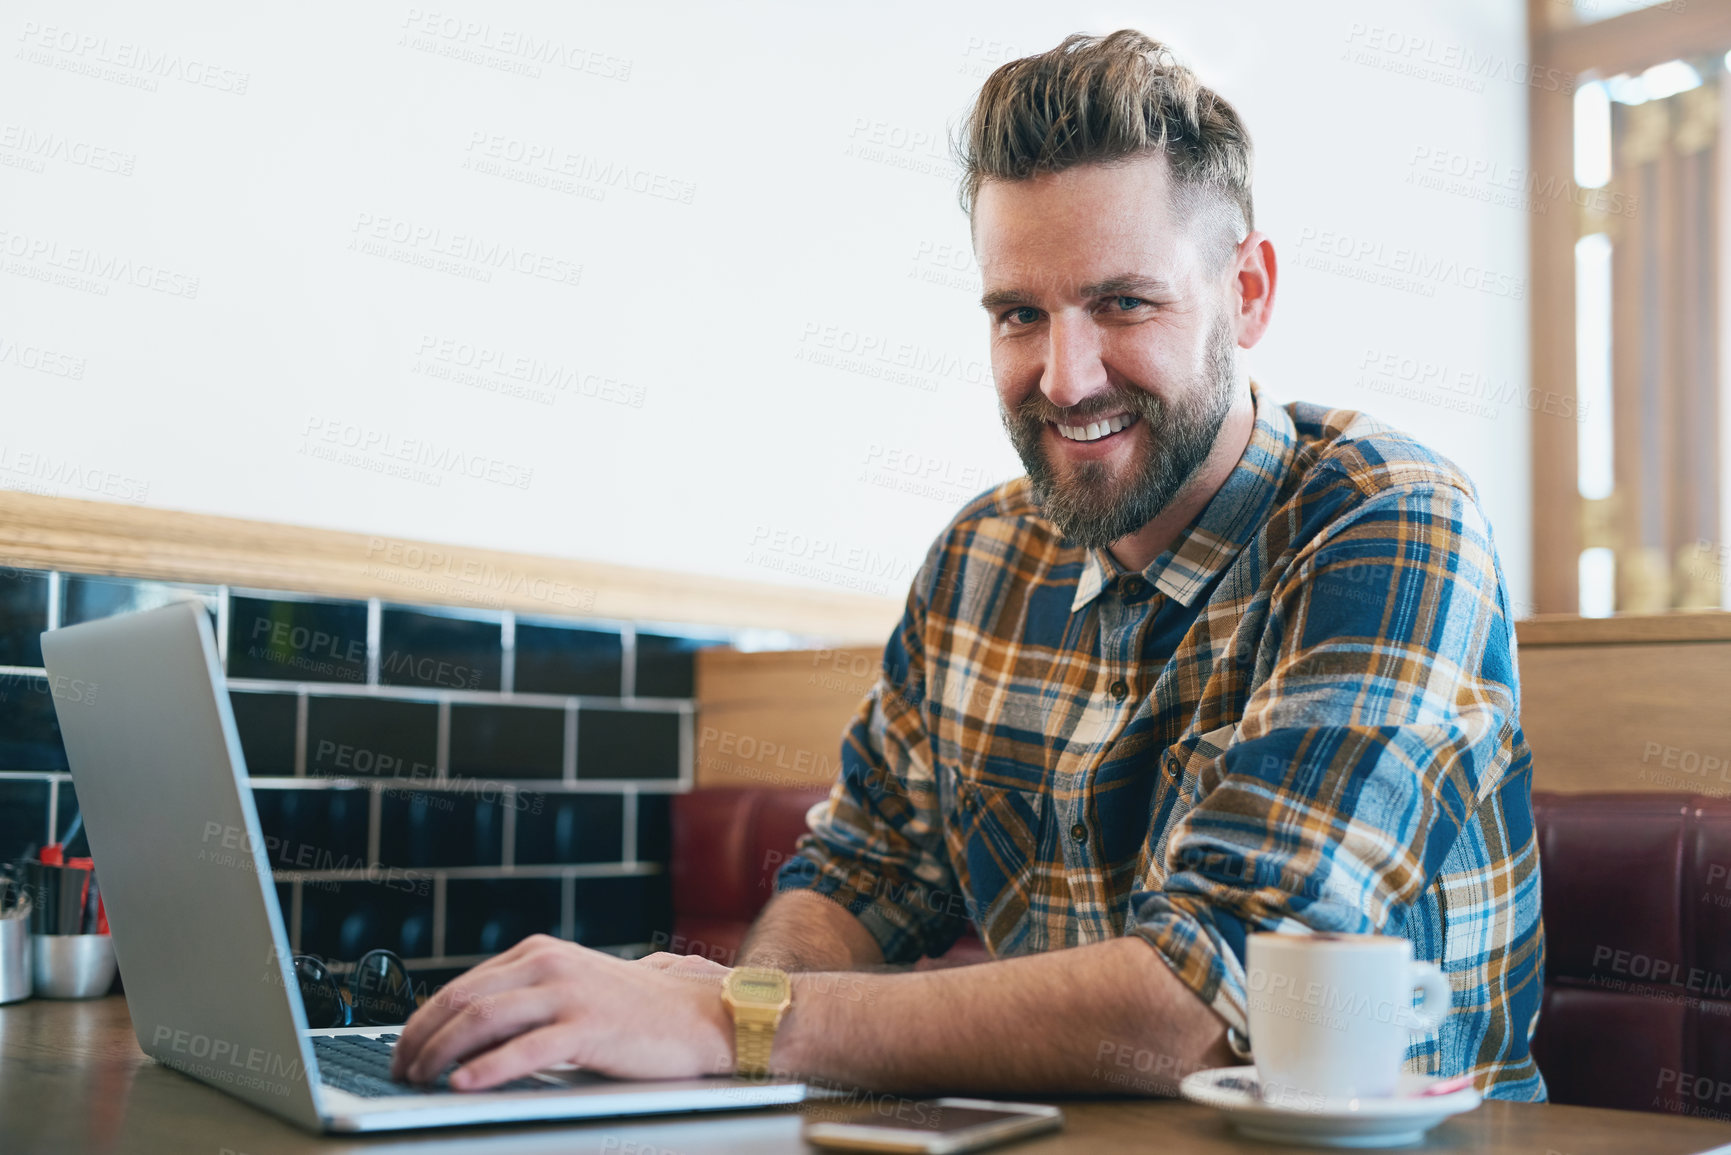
(803, 931)
(1062, 1021)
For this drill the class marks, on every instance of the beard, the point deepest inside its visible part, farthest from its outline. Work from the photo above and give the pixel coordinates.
(1086, 501)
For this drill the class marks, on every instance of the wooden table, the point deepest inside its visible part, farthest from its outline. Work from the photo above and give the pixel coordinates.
(72, 1080)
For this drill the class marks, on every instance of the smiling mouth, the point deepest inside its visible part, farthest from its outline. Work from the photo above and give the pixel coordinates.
(1095, 430)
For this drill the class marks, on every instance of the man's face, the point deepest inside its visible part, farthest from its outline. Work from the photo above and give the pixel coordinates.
(1113, 339)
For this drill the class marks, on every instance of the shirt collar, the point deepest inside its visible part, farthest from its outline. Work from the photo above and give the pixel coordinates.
(1204, 549)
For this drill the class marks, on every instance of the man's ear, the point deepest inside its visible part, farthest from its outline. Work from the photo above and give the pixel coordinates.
(1253, 278)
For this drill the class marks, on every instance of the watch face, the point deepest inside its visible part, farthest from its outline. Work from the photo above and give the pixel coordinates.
(748, 987)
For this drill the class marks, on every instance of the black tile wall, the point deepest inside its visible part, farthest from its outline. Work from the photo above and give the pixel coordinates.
(297, 641)
(314, 829)
(561, 660)
(666, 666)
(627, 744)
(654, 828)
(344, 920)
(554, 828)
(443, 653)
(23, 816)
(85, 599)
(507, 741)
(430, 818)
(372, 737)
(427, 828)
(23, 616)
(30, 736)
(266, 723)
(621, 911)
(489, 915)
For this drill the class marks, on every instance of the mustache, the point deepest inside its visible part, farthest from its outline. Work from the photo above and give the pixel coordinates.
(1036, 409)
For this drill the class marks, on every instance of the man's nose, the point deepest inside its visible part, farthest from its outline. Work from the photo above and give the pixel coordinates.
(1073, 368)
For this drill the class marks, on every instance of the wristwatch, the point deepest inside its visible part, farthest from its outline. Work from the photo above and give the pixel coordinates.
(757, 997)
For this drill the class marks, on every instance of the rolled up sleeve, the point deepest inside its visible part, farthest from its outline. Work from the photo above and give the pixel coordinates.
(876, 843)
(1373, 737)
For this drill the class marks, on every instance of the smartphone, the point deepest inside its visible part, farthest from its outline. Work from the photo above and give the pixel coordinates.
(935, 1126)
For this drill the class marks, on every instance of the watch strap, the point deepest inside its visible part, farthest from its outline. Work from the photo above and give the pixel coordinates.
(753, 1040)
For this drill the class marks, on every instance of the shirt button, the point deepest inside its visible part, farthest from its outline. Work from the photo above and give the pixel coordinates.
(1119, 689)
(1134, 587)
(1079, 832)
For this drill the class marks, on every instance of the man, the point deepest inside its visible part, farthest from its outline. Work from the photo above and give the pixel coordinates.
(1213, 666)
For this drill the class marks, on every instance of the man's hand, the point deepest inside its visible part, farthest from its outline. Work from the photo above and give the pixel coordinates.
(689, 965)
(546, 1001)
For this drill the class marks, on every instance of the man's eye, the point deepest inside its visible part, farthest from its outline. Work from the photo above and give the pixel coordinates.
(1023, 314)
(1128, 303)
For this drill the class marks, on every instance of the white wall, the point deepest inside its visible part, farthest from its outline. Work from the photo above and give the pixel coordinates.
(784, 192)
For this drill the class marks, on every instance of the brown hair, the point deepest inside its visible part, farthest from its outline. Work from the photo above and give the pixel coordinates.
(1099, 99)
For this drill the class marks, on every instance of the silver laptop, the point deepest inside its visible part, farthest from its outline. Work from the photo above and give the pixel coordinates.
(209, 976)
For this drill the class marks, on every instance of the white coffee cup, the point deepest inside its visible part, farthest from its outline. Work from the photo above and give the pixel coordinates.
(1330, 1015)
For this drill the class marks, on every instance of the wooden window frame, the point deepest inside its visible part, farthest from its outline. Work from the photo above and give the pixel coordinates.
(1628, 43)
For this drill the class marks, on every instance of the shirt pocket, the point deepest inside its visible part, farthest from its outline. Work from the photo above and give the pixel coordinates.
(995, 836)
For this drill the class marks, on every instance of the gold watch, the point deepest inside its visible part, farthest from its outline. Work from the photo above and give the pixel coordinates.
(757, 997)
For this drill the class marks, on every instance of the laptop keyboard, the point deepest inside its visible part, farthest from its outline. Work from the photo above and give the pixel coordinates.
(362, 1066)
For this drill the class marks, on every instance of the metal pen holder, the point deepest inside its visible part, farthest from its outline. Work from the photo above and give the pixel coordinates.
(73, 966)
(17, 977)
(68, 960)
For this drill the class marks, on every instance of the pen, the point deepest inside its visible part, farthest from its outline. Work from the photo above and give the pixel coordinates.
(87, 923)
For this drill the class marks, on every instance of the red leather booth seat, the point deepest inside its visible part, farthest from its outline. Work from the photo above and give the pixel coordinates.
(1637, 904)
(728, 842)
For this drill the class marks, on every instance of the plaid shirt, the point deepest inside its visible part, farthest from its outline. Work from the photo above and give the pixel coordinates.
(1300, 717)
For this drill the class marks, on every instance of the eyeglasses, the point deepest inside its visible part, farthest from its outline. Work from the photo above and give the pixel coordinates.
(379, 992)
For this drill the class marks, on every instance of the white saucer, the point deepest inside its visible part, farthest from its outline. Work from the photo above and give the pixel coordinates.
(1392, 1122)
